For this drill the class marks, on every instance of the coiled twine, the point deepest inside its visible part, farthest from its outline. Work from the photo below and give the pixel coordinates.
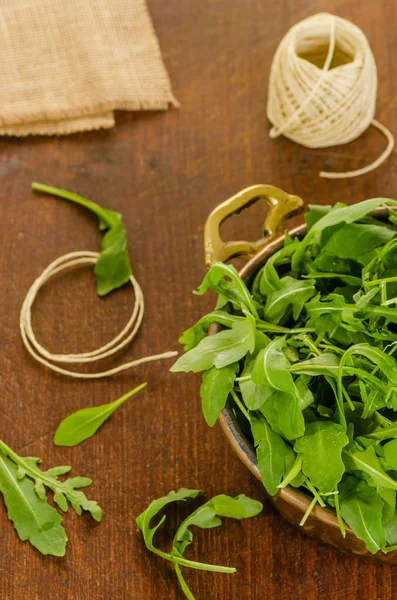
(323, 85)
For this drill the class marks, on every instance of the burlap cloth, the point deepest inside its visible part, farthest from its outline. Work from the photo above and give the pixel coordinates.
(66, 65)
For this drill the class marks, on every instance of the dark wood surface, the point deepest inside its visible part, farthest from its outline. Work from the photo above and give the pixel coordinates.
(165, 172)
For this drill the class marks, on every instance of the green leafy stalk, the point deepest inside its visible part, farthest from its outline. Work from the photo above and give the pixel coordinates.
(23, 486)
(205, 517)
(113, 268)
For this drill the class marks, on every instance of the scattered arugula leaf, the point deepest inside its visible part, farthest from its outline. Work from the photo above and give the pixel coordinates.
(205, 517)
(113, 268)
(84, 423)
(23, 485)
(318, 390)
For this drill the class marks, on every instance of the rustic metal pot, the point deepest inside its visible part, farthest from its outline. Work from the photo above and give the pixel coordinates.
(290, 502)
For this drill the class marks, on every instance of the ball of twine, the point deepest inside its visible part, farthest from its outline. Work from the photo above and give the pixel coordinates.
(322, 87)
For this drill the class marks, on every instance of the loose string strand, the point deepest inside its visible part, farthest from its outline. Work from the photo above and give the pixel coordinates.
(125, 337)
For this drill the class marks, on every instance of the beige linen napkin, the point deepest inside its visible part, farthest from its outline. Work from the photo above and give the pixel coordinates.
(66, 65)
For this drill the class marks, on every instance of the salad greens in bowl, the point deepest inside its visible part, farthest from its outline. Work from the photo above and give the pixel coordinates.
(301, 368)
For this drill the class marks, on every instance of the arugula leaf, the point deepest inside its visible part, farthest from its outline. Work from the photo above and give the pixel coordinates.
(34, 519)
(215, 389)
(361, 508)
(272, 368)
(390, 450)
(353, 240)
(113, 268)
(291, 292)
(232, 289)
(205, 517)
(391, 530)
(219, 350)
(367, 462)
(192, 336)
(283, 413)
(321, 452)
(315, 213)
(84, 423)
(253, 394)
(271, 453)
(23, 485)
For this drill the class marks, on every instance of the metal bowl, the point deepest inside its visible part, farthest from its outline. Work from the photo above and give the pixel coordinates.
(290, 502)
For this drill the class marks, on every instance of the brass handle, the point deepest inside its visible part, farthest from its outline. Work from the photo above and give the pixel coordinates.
(282, 206)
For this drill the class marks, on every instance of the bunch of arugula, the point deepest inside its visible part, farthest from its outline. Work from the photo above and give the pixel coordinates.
(205, 517)
(306, 359)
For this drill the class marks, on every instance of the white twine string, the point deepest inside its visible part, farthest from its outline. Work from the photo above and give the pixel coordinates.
(322, 107)
(42, 355)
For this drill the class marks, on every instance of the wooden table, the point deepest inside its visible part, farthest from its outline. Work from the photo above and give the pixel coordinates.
(165, 172)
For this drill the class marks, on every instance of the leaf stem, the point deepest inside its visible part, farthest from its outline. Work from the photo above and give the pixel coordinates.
(192, 564)
(66, 195)
(315, 493)
(379, 281)
(309, 510)
(240, 405)
(339, 516)
(292, 473)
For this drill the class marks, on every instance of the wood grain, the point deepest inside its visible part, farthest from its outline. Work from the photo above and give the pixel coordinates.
(165, 172)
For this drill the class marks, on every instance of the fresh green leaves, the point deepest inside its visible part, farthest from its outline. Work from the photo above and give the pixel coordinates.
(113, 266)
(84, 423)
(321, 452)
(205, 517)
(308, 357)
(215, 389)
(23, 486)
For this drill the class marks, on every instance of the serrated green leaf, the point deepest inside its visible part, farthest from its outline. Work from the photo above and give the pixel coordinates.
(321, 452)
(361, 508)
(34, 519)
(219, 350)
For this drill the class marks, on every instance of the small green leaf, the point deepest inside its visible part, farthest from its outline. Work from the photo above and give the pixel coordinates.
(192, 336)
(215, 389)
(225, 280)
(272, 368)
(113, 266)
(271, 453)
(391, 530)
(291, 292)
(367, 462)
(390, 450)
(321, 452)
(219, 350)
(84, 423)
(283, 413)
(361, 508)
